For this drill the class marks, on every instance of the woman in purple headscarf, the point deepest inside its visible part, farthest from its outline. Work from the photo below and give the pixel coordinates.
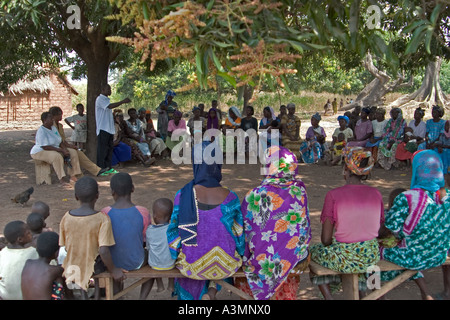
(205, 234)
(277, 229)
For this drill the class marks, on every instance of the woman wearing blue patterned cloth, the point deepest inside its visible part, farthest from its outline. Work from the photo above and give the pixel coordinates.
(314, 146)
(420, 221)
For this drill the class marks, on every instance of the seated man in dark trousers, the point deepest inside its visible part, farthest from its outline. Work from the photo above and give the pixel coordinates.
(105, 128)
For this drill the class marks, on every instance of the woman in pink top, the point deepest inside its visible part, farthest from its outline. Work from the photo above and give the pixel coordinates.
(353, 213)
(176, 123)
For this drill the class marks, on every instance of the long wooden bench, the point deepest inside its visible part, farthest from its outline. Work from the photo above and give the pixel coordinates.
(349, 280)
(146, 273)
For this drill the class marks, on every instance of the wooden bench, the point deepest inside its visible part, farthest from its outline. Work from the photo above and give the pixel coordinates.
(146, 273)
(43, 172)
(350, 280)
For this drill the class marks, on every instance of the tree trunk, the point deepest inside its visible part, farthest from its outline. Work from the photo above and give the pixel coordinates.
(429, 93)
(382, 84)
(248, 94)
(97, 77)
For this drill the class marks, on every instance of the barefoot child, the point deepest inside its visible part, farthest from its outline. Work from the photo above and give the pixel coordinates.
(40, 280)
(13, 258)
(129, 223)
(159, 257)
(86, 233)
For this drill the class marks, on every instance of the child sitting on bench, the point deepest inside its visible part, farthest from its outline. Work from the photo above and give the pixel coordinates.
(159, 257)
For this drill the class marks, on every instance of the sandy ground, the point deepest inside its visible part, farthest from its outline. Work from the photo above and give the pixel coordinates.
(164, 179)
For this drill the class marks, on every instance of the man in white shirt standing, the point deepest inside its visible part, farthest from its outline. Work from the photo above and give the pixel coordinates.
(105, 128)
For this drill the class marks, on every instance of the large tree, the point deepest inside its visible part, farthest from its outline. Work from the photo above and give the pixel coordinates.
(251, 42)
(56, 29)
(419, 34)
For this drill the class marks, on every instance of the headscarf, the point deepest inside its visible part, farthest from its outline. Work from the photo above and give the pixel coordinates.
(207, 175)
(277, 224)
(447, 133)
(318, 117)
(427, 171)
(236, 112)
(354, 156)
(177, 113)
(395, 127)
(212, 123)
(281, 165)
(169, 93)
(272, 112)
(117, 112)
(345, 118)
(366, 110)
(142, 109)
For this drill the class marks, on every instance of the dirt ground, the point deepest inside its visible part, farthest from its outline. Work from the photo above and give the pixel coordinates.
(163, 180)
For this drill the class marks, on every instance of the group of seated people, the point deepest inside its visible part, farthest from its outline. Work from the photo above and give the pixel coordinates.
(267, 233)
(392, 141)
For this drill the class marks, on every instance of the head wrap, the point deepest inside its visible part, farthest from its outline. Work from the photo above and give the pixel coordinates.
(142, 109)
(195, 108)
(280, 162)
(207, 175)
(117, 112)
(427, 171)
(169, 93)
(400, 112)
(178, 113)
(212, 123)
(236, 111)
(366, 110)
(344, 118)
(353, 158)
(317, 116)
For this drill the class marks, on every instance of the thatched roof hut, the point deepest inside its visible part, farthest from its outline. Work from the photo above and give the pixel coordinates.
(26, 100)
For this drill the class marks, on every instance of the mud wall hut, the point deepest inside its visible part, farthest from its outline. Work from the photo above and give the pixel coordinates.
(26, 100)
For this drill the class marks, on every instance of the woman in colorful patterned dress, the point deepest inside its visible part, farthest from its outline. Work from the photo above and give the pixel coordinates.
(351, 218)
(314, 146)
(277, 229)
(420, 220)
(206, 236)
(391, 138)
